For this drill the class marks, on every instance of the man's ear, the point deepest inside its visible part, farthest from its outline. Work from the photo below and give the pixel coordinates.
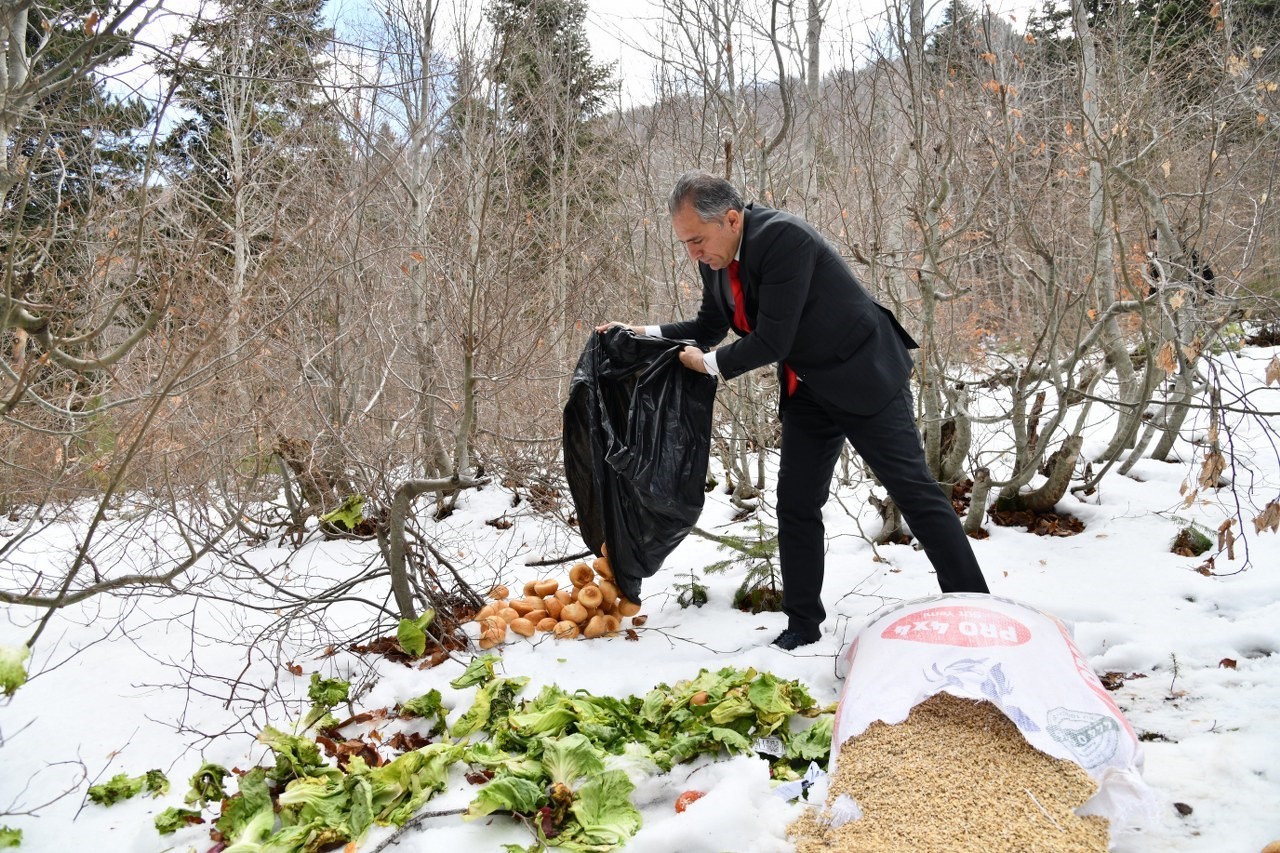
(734, 220)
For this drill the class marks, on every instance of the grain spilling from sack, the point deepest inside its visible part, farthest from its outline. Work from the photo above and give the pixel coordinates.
(956, 775)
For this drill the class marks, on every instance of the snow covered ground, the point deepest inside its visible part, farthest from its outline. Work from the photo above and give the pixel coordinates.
(140, 683)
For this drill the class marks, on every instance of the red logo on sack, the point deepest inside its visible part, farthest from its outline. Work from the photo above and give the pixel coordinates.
(959, 626)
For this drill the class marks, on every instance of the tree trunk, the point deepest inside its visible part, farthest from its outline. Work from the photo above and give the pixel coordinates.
(977, 501)
(1061, 466)
(1111, 340)
(395, 547)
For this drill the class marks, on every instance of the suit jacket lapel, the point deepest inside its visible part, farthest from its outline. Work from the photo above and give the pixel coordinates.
(723, 290)
(744, 265)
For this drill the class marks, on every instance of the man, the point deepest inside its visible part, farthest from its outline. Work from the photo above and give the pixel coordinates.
(844, 367)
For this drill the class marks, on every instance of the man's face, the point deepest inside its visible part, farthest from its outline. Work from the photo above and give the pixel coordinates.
(713, 243)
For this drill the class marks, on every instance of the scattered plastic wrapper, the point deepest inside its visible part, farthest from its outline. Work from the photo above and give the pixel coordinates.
(773, 747)
(812, 786)
(813, 790)
(844, 809)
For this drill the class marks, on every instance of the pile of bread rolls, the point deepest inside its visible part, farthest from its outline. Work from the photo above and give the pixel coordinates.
(589, 606)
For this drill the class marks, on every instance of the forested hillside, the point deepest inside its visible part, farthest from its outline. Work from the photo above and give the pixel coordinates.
(345, 267)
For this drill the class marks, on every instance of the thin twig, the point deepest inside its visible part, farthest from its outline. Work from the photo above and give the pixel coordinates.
(412, 823)
(555, 561)
(1042, 810)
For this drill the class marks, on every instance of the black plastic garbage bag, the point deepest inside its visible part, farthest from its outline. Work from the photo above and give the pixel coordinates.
(637, 436)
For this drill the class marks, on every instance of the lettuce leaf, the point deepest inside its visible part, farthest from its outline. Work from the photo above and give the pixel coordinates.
(290, 839)
(348, 515)
(570, 759)
(486, 754)
(411, 634)
(155, 783)
(340, 810)
(13, 670)
(118, 788)
(603, 810)
(206, 785)
(427, 706)
(492, 706)
(248, 816)
(324, 693)
(475, 717)
(551, 721)
(814, 743)
(122, 786)
(328, 691)
(296, 756)
(479, 671)
(400, 787)
(732, 740)
(732, 707)
(504, 693)
(174, 818)
(507, 793)
(636, 761)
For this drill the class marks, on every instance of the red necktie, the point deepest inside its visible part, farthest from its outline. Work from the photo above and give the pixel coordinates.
(740, 320)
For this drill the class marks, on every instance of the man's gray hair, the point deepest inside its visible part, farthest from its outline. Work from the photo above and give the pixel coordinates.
(709, 196)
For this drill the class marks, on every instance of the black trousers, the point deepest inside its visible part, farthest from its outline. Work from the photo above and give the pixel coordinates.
(813, 433)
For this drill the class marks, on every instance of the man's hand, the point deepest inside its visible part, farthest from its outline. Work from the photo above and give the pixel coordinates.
(691, 357)
(636, 330)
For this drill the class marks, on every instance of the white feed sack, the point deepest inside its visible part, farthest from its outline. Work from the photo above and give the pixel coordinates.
(1018, 658)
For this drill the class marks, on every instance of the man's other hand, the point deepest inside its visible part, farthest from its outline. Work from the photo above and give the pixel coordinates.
(636, 330)
(691, 357)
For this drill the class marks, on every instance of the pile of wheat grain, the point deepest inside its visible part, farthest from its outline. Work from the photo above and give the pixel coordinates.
(956, 775)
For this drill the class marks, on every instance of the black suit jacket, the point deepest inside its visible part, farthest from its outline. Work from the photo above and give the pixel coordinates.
(807, 308)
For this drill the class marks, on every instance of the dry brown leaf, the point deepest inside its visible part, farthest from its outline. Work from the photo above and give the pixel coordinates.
(1227, 538)
(1175, 302)
(1268, 519)
(1192, 351)
(1165, 358)
(1273, 370)
(1227, 663)
(1211, 469)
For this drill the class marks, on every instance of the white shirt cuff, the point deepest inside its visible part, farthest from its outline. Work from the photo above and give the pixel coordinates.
(709, 362)
(653, 331)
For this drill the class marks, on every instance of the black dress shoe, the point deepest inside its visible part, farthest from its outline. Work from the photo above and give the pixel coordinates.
(793, 639)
